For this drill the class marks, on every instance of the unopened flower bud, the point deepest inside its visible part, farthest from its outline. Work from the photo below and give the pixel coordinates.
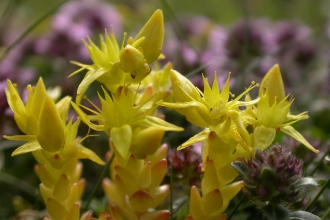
(132, 61)
(153, 31)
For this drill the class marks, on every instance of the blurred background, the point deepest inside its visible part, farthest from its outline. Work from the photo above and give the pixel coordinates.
(245, 37)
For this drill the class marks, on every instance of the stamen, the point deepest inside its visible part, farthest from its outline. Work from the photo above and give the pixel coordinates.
(136, 92)
(122, 44)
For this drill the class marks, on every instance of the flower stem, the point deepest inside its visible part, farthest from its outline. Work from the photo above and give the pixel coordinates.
(96, 187)
(171, 191)
(7, 11)
(27, 31)
(236, 207)
(320, 162)
(326, 214)
(308, 208)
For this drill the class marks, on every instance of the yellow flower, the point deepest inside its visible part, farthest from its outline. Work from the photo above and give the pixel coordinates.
(121, 118)
(130, 64)
(43, 122)
(134, 191)
(209, 109)
(216, 196)
(273, 112)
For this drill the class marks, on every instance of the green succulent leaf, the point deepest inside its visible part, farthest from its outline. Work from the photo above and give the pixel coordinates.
(306, 181)
(302, 215)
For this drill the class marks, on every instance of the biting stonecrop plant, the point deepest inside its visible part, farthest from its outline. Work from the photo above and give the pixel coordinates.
(233, 130)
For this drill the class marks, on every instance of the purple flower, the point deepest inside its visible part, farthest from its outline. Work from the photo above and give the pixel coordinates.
(186, 166)
(271, 176)
(75, 21)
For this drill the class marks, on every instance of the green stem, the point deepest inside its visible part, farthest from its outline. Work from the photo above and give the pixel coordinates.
(240, 81)
(326, 214)
(96, 187)
(27, 31)
(308, 208)
(320, 162)
(7, 11)
(198, 69)
(236, 207)
(182, 35)
(171, 191)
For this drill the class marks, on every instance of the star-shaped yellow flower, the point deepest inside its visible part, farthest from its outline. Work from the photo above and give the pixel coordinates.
(114, 66)
(273, 112)
(43, 123)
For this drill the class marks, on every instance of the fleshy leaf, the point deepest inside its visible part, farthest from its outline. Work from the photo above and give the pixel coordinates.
(122, 139)
(90, 77)
(25, 138)
(263, 137)
(154, 121)
(27, 147)
(305, 181)
(195, 139)
(87, 153)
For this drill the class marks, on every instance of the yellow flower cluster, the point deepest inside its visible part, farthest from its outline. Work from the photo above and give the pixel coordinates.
(216, 196)
(134, 188)
(132, 91)
(114, 66)
(234, 128)
(53, 143)
(128, 116)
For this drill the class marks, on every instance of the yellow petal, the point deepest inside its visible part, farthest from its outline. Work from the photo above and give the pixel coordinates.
(26, 148)
(85, 119)
(195, 139)
(25, 138)
(90, 77)
(14, 100)
(141, 201)
(153, 31)
(183, 89)
(51, 127)
(272, 84)
(55, 209)
(84, 152)
(289, 130)
(34, 104)
(112, 46)
(160, 123)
